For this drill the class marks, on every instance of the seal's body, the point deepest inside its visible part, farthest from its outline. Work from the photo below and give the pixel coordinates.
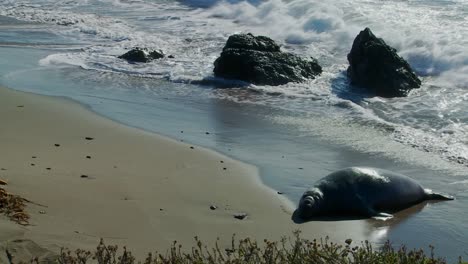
(360, 191)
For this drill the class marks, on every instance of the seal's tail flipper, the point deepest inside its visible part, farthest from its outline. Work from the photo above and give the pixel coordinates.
(438, 196)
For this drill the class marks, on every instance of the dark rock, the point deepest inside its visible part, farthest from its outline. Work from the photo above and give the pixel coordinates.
(250, 42)
(84, 176)
(213, 207)
(89, 138)
(57, 145)
(88, 157)
(259, 60)
(377, 67)
(240, 216)
(279, 192)
(142, 55)
(171, 56)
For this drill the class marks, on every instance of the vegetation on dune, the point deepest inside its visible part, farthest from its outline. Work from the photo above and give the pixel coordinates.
(293, 250)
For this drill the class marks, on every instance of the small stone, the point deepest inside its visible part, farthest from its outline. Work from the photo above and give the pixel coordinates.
(224, 168)
(221, 161)
(240, 216)
(348, 241)
(20, 106)
(3, 169)
(32, 164)
(89, 138)
(213, 207)
(171, 56)
(34, 157)
(48, 168)
(2, 182)
(57, 145)
(161, 209)
(191, 147)
(301, 168)
(207, 133)
(181, 131)
(88, 157)
(280, 192)
(84, 176)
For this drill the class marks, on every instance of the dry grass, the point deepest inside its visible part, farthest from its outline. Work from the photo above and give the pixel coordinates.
(13, 206)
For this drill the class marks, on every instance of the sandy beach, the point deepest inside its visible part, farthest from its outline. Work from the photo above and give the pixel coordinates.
(94, 178)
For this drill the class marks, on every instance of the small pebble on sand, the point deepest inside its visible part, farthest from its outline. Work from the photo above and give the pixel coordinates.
(88, 157)
(213, 207)
(191, 147)
(84, 176)
(57, 145)
(89, 138)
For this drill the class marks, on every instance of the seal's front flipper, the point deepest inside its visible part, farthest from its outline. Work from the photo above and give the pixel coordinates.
(438, 196)
(382, 216)
(377, 215)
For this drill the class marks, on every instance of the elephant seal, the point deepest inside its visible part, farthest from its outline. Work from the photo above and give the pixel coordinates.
(361, 191)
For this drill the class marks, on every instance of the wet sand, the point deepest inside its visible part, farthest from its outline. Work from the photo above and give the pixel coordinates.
(94, 178)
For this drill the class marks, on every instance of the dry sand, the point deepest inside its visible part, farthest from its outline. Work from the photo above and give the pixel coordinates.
(139, 189)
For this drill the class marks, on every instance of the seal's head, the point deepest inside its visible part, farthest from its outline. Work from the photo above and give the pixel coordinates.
(309, 205)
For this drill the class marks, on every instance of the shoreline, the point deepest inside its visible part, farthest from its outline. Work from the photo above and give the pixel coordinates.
(136, 188)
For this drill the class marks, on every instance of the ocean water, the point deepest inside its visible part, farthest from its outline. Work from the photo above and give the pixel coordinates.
(295, 133)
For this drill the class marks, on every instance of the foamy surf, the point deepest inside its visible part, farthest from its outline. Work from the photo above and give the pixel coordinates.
(431, 120)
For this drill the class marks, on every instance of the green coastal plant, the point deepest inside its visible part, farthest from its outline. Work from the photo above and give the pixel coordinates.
(295, 250)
